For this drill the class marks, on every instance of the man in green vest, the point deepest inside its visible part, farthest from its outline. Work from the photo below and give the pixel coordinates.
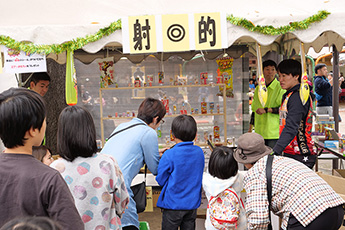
(266, 119)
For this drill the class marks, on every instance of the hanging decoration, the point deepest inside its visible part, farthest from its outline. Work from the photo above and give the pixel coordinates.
(74, 44)
(71, 91)
(78, 43)
(270, 30)
(262, 91)
(106, 66)
(304, 90)
(224, 71)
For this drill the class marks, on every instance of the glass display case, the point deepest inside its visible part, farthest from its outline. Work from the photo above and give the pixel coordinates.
(205, 103)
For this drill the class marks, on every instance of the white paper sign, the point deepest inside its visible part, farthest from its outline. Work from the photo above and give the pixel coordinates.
(21, 62)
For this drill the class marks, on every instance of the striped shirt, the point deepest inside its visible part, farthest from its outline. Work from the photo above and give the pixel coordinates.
(296, 190)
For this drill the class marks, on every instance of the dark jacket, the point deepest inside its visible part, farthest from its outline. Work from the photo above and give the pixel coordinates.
(296, 125)
(323, 91)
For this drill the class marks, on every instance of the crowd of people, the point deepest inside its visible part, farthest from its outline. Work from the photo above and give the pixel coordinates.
(84, 189)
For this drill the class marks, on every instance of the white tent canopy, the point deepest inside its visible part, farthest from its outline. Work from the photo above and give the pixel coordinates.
(55, 22)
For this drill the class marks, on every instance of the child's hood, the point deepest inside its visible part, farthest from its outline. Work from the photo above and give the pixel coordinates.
(214, 186)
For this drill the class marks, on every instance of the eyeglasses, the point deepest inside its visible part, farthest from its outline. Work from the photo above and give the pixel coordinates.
(162, 122)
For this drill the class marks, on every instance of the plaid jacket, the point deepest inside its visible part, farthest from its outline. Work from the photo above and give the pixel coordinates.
(296, 189)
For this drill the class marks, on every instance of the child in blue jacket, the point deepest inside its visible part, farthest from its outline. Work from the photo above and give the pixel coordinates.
(180, 173)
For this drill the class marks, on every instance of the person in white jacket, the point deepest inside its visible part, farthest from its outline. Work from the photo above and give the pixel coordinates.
(223, 174)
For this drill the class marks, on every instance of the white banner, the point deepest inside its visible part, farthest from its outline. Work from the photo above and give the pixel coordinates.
(174, 32)
(21, 62)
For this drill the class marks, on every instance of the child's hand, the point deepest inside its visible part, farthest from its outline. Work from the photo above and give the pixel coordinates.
(161, 151)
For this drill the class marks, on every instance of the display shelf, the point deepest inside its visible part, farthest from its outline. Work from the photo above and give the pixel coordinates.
(171, 115)
(130, 103)
(161, 86)
(200, 144)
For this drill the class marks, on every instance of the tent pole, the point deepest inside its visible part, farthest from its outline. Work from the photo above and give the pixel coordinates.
(335, 101)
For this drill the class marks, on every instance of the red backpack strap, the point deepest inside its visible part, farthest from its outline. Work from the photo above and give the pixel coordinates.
(239, 199)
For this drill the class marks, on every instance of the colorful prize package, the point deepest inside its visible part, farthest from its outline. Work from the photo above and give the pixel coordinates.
(320, 127)
(171, 81)
(342, 143)
(165, 101)
(219, 77)
(216, 133)
(328, 135)
(181, 80)
(211, 107)
(161, 78)
(106, 66)
(137, 82)
(203, 78)
(203, 106)
(225, 69)
(149, 80)
(183, 110)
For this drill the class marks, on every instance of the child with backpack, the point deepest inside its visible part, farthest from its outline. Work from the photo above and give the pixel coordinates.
(180, 173)
(222, 185)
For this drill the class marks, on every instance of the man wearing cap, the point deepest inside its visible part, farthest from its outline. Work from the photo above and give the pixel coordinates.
(324, 89)
(299, 196)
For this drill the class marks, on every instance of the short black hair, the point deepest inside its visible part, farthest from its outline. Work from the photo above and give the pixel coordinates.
(20, 110)
(290, 66)
(76, 136)
(222, 163)
(40, 151)
(319, 66)
(41, 76)
(269, 63)
(151, 108)
(184, 127)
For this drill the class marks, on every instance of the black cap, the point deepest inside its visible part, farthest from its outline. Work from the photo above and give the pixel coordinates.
(319, 66)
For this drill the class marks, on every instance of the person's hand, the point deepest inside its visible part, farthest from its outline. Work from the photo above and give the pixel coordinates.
(260, 111)
(330, 79)
(161, 151)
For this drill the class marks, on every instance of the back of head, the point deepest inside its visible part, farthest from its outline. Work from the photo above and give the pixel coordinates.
(269, 63)
(76, 136)
(31, 223)
(319, 66)
(39, 151)
(290, 66)
(151, 108)
(222, 163)
(41, 76)
(184, 128)
(20, 110)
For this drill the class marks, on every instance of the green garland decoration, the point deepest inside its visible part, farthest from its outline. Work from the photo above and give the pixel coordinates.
(78, 43)
(270, 30)
(72, 45)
